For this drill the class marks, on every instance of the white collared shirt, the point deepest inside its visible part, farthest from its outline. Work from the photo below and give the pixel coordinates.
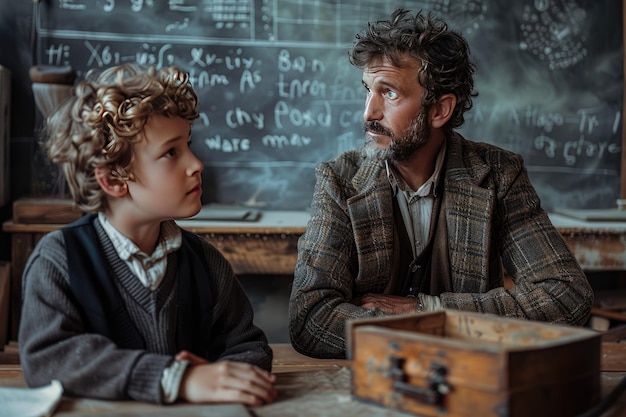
(417, 206)
(149, 269)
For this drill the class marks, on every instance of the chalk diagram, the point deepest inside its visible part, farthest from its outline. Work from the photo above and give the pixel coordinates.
(553, 32)
(467, 15)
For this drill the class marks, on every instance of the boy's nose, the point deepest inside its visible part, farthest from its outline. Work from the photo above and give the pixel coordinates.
(195, 165)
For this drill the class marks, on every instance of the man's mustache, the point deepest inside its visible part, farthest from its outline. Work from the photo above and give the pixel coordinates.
(376, 127)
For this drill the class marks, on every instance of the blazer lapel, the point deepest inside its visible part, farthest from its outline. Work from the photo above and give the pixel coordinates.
(371, 211)
(469, 204)
(468, 201)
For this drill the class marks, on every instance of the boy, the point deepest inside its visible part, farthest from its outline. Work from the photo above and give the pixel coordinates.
(123, 304)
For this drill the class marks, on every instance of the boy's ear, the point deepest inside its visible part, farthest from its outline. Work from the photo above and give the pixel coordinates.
(113, 187)
(442, 110)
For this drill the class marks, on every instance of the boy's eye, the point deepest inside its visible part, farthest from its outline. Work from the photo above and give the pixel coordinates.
(170, 153)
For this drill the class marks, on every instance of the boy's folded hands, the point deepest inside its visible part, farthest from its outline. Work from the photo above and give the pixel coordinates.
(225, 381)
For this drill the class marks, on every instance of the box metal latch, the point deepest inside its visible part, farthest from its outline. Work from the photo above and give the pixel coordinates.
(436, 380)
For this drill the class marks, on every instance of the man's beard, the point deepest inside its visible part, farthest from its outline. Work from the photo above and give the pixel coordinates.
(400, 149)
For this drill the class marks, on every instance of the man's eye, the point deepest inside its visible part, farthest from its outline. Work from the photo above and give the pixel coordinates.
(391, 94)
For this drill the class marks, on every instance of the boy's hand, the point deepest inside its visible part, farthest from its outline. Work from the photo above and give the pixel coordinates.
(225, 382)
(185, 355)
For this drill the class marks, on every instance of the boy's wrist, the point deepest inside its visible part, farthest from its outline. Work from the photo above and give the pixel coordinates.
(171, 380)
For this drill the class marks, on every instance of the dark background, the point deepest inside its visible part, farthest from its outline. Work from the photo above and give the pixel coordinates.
(278, 95)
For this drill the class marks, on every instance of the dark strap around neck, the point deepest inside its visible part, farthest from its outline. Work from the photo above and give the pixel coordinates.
(103, 307)
(433, 275)
(195, 298)
(101, 303)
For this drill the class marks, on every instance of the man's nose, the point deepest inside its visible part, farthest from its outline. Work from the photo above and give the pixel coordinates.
(373, 109)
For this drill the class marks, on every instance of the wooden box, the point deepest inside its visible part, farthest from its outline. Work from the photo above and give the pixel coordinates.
(451, 363)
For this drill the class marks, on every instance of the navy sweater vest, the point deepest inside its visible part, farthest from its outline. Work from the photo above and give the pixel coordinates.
(103, 308)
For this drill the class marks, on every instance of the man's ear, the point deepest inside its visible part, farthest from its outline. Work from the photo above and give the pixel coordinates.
(113, 187)
(442, 110)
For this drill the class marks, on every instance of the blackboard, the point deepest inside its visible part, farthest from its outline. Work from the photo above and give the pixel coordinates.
(278, 95)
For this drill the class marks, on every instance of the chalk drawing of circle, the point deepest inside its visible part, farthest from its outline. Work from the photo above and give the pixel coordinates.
(553, 33)
(467, 15)
(542, 5)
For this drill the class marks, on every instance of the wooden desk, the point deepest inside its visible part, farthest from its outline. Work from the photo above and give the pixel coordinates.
(269, 246)
(306, 387)
(264, 247)
(597, 245)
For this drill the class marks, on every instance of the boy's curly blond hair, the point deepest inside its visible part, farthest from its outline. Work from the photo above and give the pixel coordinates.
(105, 116)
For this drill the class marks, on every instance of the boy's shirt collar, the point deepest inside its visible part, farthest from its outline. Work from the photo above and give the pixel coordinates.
(149, 268)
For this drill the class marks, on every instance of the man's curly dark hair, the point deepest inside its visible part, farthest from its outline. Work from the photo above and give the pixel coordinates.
(444, 55)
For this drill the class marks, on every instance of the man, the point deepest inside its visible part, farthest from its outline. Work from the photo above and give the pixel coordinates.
(421, 218)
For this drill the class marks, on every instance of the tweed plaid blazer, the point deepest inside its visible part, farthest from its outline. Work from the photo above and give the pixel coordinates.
(491, 211)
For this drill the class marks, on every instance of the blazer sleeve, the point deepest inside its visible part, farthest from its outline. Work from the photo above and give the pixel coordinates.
(325, 273)
(549, 285)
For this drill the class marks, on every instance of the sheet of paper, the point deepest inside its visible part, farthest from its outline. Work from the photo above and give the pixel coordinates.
(221, 212)
(30, 402)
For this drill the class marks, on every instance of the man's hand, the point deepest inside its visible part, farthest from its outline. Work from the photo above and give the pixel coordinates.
(392, 304)
(225, 382)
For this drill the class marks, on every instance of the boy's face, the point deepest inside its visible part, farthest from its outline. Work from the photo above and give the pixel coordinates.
(167, 182)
